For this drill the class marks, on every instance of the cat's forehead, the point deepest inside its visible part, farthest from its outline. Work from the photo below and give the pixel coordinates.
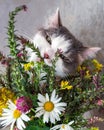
(58, 31)
(47, 31)
(55, 31)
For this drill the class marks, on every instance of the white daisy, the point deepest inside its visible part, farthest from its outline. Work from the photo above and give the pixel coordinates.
(12, 116)
(50, 108)
(63, 126)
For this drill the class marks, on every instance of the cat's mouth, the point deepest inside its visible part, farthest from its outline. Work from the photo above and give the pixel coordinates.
(46, 56)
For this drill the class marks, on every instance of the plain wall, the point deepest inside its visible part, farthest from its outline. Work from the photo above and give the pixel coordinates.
(84, 18)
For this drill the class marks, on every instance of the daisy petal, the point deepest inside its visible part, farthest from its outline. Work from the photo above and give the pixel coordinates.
(12, 125)
(25, 117)
(41, 98)
(39, 109)
(55, 127)
(46, 117)
(40, 113)
(47, 97)
(20, 124)
(53, 95)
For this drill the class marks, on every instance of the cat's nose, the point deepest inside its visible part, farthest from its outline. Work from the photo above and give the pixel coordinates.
(46, 56)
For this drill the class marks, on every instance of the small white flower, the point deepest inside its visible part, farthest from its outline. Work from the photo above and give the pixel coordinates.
(50, 108)
(63, 126)
(12, 115)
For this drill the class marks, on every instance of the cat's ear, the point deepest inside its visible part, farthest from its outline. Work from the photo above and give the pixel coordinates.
(88, 53)
(55, 20)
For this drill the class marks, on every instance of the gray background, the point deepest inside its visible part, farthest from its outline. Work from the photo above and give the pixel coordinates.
(84, 18)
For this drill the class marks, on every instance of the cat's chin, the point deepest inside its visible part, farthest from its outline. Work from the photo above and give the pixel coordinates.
(60, 74)
(60, 68)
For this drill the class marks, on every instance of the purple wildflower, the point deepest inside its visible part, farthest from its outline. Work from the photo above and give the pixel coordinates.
(24, 104)
(20, 54)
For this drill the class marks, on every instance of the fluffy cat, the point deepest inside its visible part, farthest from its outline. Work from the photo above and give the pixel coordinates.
(58, 37)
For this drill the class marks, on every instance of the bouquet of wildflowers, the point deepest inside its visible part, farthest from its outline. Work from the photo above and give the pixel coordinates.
(29, 103)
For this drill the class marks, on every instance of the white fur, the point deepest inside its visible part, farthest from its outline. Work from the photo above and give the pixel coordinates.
(59, 68)
(60, 43)
(40, 42)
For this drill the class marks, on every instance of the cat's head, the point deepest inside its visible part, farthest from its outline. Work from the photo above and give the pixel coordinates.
(57, 37)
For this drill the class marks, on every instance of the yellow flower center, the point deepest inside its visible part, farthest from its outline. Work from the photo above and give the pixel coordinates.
(48, 106)
(16, 114)
(63, 126)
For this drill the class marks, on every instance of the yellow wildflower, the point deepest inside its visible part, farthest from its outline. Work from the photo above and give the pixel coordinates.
(65, 85)
(81, 68)
(87, 74)
(94, 128)
(28, 66)
(5, 95)
(97, 65)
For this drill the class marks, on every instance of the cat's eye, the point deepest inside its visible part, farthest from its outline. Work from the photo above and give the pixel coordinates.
(62, 56)
(48, 39)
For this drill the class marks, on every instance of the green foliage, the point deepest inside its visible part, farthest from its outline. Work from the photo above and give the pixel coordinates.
(36, 125)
